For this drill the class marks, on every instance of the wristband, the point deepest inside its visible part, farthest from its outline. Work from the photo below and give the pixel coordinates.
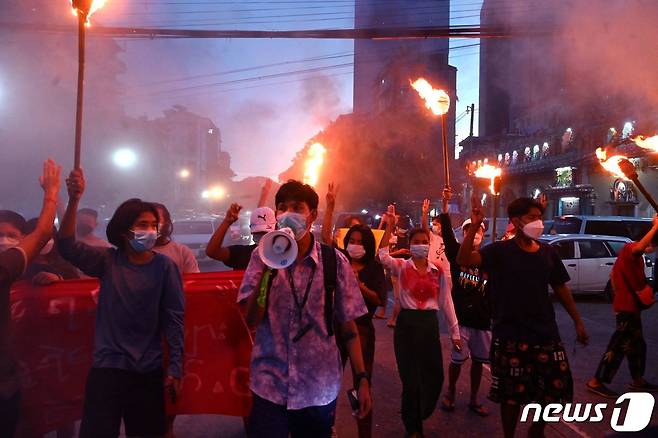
(360, 376)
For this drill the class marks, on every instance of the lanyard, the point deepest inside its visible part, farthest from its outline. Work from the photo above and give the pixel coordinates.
(300, 305)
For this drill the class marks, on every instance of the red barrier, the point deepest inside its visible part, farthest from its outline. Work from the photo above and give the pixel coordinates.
(52, 336)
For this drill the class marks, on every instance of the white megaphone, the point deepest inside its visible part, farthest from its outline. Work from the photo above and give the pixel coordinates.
(278, 248)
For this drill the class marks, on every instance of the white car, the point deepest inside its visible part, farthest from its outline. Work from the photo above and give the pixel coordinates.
(195, 234)
(589, 260)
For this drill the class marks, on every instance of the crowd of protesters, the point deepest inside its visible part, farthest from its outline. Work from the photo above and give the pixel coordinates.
(313, 316)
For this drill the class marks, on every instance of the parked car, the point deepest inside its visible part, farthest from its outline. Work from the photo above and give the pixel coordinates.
(623, 226)
(195, 234)
(589, 260)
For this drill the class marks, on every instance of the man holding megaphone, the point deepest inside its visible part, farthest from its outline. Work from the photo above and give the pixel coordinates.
(303, 291)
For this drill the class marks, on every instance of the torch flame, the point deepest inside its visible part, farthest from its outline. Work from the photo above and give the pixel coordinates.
(314, 163)
(489, 172)
(95, 6)
(611, 163)
(436, 100)
(650, 143)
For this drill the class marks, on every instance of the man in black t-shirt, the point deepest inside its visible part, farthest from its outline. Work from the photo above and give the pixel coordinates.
(529, 362)
(473, 313)
(237, 257)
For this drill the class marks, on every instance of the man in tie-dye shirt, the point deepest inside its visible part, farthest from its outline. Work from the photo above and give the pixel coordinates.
(295, 366)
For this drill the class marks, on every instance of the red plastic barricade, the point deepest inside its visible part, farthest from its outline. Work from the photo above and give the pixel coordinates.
(52, 337)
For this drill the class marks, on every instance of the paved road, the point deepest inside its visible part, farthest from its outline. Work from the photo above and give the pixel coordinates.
(599, 320)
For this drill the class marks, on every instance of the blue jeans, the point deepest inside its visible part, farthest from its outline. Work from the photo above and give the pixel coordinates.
(269, 420)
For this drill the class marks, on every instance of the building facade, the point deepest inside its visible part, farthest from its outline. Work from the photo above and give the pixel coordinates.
(383, 69)
(545, 110)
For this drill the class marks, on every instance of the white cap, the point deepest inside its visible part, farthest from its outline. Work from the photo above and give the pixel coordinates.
(468, 222)
(262, 220)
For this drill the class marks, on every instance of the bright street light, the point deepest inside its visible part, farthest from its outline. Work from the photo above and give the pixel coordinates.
(124, 158)
(214, 193)
(184, 174)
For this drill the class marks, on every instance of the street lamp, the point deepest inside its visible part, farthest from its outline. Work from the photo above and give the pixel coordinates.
(184, 174)
(124, 158)
(214, 193)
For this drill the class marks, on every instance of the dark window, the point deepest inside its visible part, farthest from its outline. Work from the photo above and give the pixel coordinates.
(565, 249)
(592, 249)
(606, 228)
(637, 229)
(615, 246)
(569, 225)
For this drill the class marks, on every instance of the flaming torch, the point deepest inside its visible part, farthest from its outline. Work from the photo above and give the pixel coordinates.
(621, 167)
(314, 163)
(84, 9)
(493, 174)
(438, 102)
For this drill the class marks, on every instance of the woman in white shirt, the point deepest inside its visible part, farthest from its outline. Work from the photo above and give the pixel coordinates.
(423, 291)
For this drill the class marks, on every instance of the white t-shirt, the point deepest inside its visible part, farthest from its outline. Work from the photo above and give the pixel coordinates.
(437, 254)
(181, 255)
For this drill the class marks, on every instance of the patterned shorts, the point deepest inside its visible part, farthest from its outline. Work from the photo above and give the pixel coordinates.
(523, 373)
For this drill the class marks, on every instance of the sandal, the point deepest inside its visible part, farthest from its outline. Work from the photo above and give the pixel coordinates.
(447, 405)
(646, 387)
(602, 390)
(478, 409)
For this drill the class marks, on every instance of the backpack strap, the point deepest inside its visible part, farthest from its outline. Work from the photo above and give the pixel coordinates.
(330, 273)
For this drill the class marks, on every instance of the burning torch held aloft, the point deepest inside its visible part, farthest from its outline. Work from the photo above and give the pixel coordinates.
(83, 9)
(620, 166)
(494, 175)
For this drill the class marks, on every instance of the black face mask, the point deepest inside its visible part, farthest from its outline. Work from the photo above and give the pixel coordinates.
(84, 229)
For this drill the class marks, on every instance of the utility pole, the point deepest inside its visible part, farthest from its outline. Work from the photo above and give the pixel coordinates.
(472, 110)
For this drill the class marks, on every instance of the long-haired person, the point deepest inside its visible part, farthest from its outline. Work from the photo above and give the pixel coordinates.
(140, 302)
(424, 290)
(360, 248)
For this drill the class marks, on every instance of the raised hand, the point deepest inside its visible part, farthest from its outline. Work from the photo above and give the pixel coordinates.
(50, 179)
(75, 184)
(332, 193)
(445, 201)
(477, 216)
(233, 213)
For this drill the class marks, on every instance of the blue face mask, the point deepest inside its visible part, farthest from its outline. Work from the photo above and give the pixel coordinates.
(143, 240)
(295, 221)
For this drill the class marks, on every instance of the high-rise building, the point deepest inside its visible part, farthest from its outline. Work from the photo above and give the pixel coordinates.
(383, 68)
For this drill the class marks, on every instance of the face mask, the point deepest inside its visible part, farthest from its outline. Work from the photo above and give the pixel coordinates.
(419, 251)
(356, 252)
(8, 242)
(533, 229)
(48, 247)
(436, 230)
(84, 229)
(295, 221)
(477, 240)
(144, 240)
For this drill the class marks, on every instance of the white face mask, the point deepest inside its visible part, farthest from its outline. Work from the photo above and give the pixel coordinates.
(356, 252)
(477, 240)
(419, 251)
(8, 242)
(436, 229)
(295, 221)
(533, 229)
(48, 247)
